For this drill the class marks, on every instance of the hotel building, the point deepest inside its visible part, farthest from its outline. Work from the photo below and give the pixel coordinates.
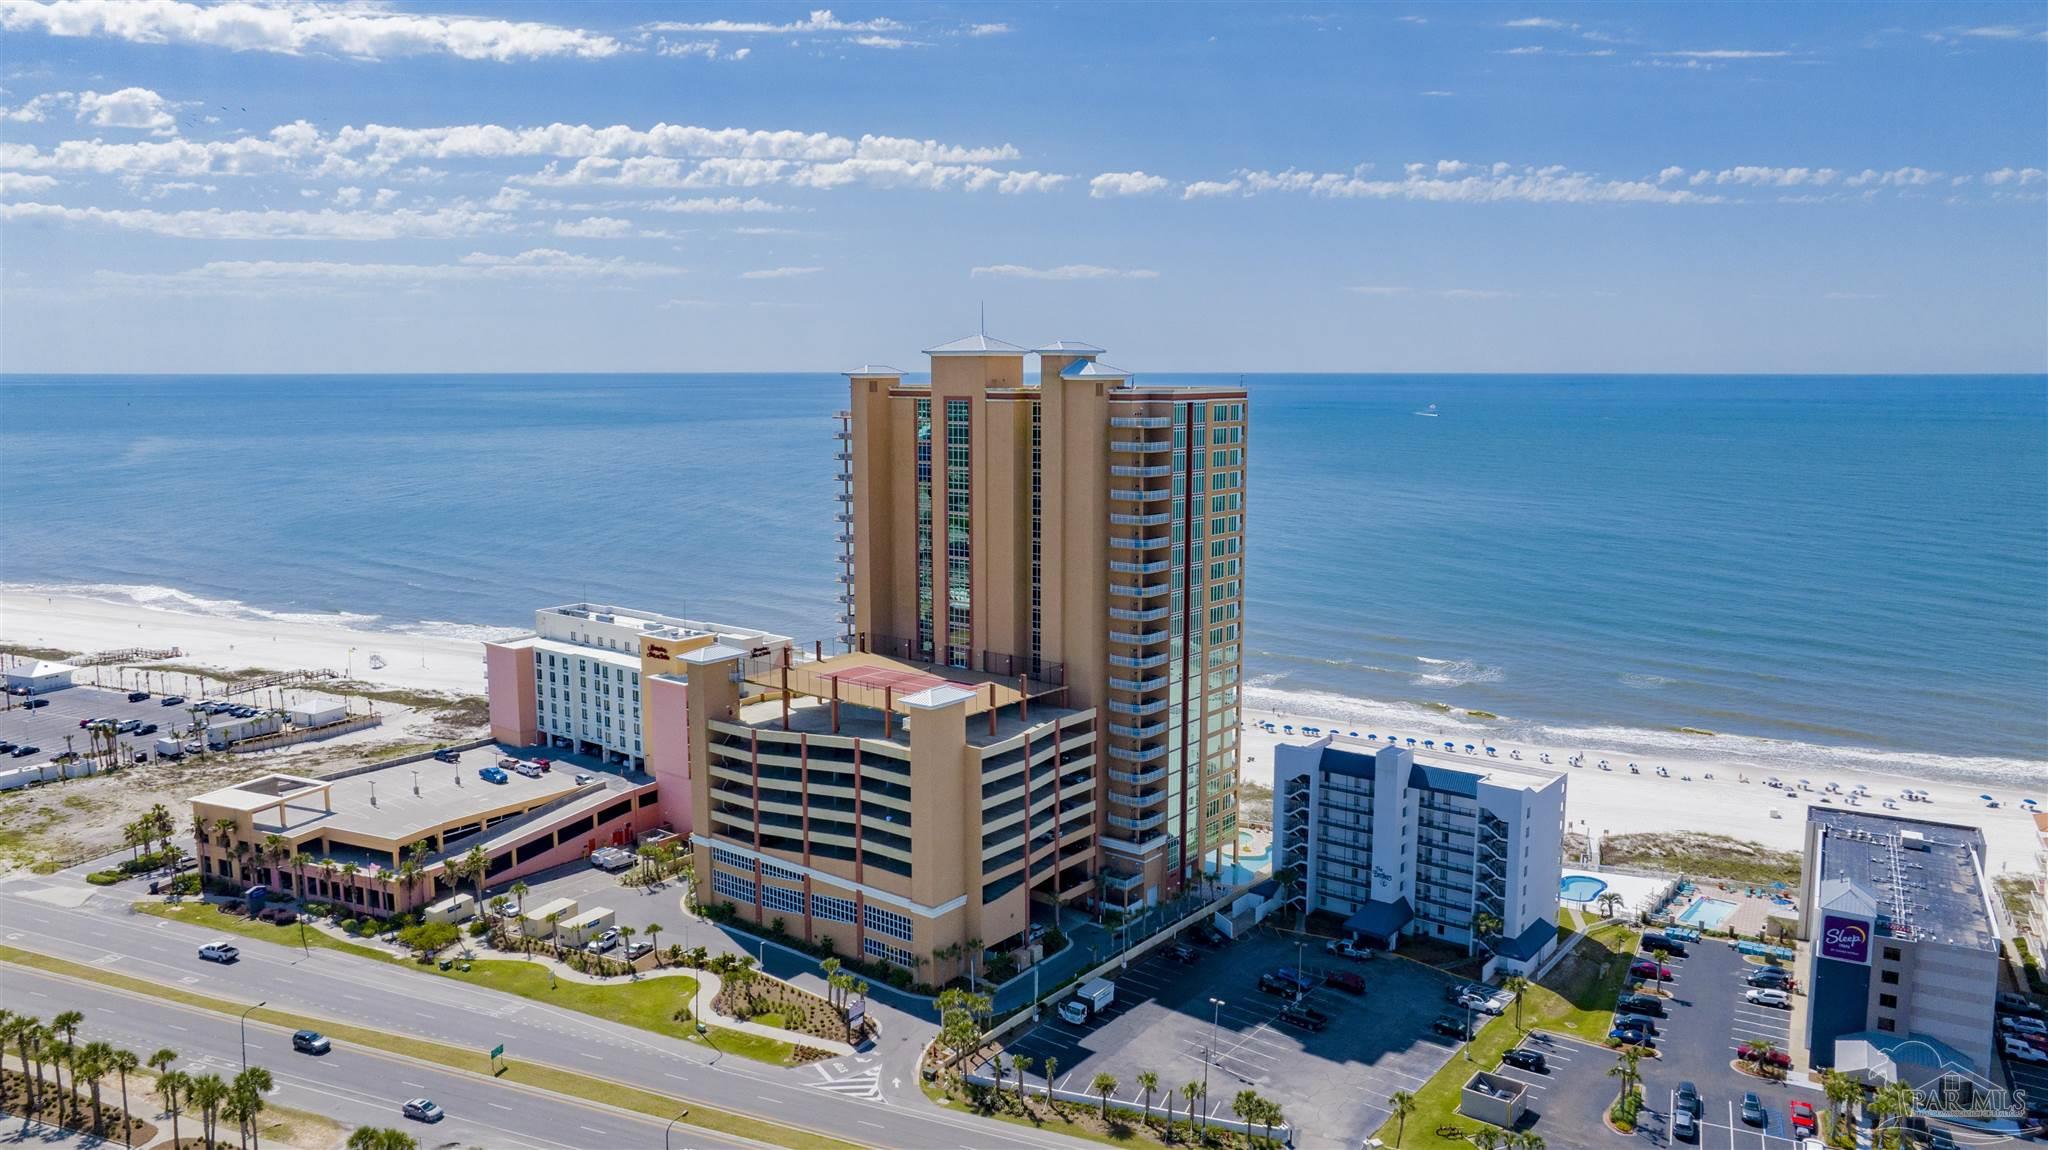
(1401, 848)
(1901, 947)
(578, 682)
(1080, 530)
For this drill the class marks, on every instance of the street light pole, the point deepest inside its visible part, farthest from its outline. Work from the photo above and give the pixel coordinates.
(245, 1034)
(671, 1129)
(1215, 1013)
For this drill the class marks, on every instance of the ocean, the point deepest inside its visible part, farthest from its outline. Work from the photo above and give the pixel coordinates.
(1823, 571)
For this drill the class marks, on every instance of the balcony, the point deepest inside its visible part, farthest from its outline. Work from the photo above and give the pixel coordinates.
(1120, 566)
(1121, 882)
(1141, 799)
(1138, 638)
(1139, 824)
(1138, 778)
(1147, 422)
(1140, 542)
(1138, 754)
(1132, 615)
(844, 477)
(1135, 495)
(843, 516)
(1132, 471)
(1138, 590)
(846, 577)
(1137, 685)
(1138, 662)
(1145, 732)
(844, 496)
(1141, 446)
(844, 538)
(846, 598)
(843, 433)
(1155, 519)
(1118, 706)
(843, 456)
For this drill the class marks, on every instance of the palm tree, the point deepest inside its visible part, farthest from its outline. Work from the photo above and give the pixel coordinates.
(1148, 1082)
(58, 1052)
(1526, 1140)
(1486, 1138)
(250, 1087)
(626, 934)
(1195, 1092)
(1484, 924)
(1104, 1084)
(995, 1064)
(68, 1023)
(327, 868)
(207, 1092)
(1052, 1070)
(974, 949)
(1892, 1101)
(175, 1088)
(23, 1029)
(349, 871)
(1760, 1051)
(1842, 1092)
(379, 1138)
(1269, 1115)
(92, 1063)
(653, 933)
(476, 863)
(1608, 900)
(1516, 985)
(124, 1063)
(1246, 1106)
(519, 890)
(1022, 1062)
(275, 850)
(831, 968)
(1401, 1105)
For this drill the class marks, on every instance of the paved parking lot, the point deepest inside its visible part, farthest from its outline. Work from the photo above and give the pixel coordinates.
(45, 727)
(1566, 1103)
(1332, 1084)
(1706, 1021)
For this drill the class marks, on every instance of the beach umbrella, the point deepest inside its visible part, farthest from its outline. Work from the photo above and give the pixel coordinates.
(1368, 735)
(1468, 748)
(1411, 740)
(1354, 734)
(1490, 750)
(1986, 798)
(1429, 742)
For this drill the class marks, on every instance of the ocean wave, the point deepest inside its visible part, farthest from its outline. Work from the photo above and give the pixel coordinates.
(473, 632)
(1649, 746)
(1642, 682)
(1455, 673)
(159, 598)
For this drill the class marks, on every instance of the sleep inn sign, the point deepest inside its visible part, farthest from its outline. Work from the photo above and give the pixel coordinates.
(1845, 939)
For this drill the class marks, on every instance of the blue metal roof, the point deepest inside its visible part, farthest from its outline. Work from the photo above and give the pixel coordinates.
(1526, 945)
(1380, 920)
(1347, 763)
(1445, 780)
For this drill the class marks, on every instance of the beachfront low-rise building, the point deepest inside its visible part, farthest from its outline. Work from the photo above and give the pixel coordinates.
(578, 683)
(1900, 946)
(380, 840)
(1398, 848)
(893, 808)
(39, 676)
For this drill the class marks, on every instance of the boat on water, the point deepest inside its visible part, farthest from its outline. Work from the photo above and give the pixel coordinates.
(1429, 411)
(376, 661)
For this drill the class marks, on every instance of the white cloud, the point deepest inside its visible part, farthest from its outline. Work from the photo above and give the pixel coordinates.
(819, 21)
(360, 31)
(128, 108)
(1537, 22)
(1896, 178)
(1757, 176)
(779, 273)
(2002, 32)
(1125, 184)
(1669, 174)
(873, 41)
(1723, 54)
(1525, 50)
(759, 231)
(2021, 176)
(1439, 92)
(17, 183)
(1064, 272)
(1412, 19)
(987, 29)
(1499, 183)
(595, 228)
(705, 48)
(741, 53)
(705, 205)
(38, 109)
(1207, 189)
(345, 197)
(269, 224)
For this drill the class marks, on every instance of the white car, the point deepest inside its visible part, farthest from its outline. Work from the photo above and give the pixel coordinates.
(219, 950)
(1765, 996)
(603, 942)
(2023, 1051)
(2020, 1024)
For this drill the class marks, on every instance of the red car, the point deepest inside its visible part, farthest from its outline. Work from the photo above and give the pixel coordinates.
(1802, 1118)
(1777, 1058)
(1647, 969)
(1346, 981)
(544, 764)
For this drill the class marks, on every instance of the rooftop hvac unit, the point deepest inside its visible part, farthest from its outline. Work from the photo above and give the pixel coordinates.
(1913, 840)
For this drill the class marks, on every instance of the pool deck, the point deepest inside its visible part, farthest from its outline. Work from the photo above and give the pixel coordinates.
(1752, 913)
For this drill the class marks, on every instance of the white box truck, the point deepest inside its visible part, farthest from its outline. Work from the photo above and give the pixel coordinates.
(1090, 999)
(169, 749)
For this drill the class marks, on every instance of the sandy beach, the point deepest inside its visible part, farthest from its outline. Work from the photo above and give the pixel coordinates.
(74, 623)
(1617, 802)
(1599, 801)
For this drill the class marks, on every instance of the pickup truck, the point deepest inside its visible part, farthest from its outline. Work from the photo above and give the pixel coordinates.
(1346, 948)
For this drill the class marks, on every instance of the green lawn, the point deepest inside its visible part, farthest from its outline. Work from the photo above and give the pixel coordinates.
(598, 1090)
(1577, 998)
(649, 1003)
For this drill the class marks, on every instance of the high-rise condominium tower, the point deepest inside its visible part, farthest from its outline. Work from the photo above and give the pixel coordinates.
(1080, 529)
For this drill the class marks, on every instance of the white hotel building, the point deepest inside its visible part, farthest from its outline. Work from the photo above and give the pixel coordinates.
(1399, 848)
(587, 663)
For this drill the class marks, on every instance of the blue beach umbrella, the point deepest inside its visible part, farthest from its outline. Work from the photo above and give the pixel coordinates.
(1468, 748)
(1411, 740)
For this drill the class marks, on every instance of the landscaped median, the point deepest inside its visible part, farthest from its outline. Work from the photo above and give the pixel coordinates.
(658, 1003)
(1575, 998)
(565, 1082)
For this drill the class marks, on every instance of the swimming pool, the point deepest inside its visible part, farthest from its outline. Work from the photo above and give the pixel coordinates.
(1707, 913)
(1580, 888)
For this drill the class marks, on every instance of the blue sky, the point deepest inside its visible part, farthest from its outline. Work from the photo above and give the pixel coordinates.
(731, 186)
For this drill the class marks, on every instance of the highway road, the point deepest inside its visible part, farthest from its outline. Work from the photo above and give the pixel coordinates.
(354, 1087)
(872, 1099)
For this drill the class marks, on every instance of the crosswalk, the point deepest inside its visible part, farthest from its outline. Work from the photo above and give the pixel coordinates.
(837, 1078)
